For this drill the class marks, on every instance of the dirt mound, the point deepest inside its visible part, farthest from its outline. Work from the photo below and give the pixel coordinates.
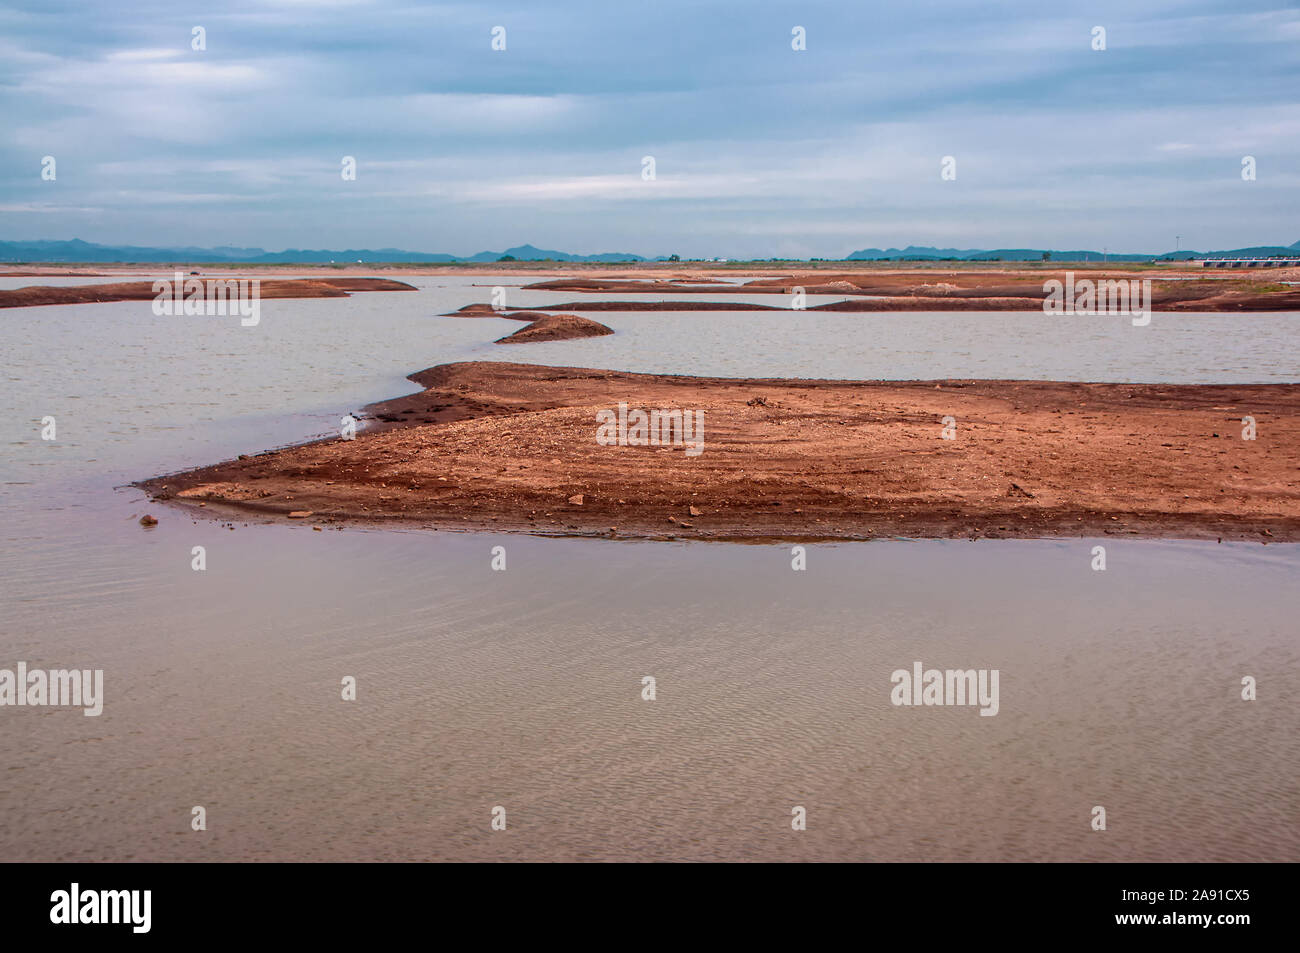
(556, 327)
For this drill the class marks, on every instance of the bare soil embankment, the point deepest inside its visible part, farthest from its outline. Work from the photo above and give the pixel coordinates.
(1006, 290)
(513, 447)
(39, 295)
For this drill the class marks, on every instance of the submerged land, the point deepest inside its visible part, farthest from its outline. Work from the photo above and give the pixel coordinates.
(515, 447)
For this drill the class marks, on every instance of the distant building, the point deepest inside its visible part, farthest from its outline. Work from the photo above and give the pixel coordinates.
(1272, 261)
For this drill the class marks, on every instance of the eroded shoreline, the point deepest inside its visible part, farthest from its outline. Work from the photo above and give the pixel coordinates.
(512, 447)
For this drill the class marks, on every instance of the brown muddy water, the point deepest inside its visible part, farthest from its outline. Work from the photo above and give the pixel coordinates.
(522, 688)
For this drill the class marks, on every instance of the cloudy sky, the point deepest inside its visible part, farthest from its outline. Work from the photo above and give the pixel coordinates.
(760, 150)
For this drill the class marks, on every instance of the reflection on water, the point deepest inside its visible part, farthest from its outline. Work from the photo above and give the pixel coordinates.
(1183, 348)
(523, 688)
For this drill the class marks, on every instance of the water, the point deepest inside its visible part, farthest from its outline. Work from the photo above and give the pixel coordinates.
(523, 688)
(1183, 348)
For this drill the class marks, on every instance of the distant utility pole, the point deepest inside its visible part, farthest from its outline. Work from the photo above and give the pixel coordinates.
(1178, 239)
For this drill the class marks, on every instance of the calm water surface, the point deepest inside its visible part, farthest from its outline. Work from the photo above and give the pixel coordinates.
(523, 688)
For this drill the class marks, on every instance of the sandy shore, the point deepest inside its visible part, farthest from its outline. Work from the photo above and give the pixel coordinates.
(513, 447)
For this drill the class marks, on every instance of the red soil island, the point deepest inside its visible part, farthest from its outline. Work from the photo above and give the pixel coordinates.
(39, 295)
(555, 327)
(513, 446)
(487, 311)
(1006, 290)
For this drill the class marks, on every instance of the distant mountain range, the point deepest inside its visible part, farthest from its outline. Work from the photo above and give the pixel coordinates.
(78, 251)
(89, 252)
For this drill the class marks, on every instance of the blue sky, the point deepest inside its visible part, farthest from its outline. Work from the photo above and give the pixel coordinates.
(759, 150)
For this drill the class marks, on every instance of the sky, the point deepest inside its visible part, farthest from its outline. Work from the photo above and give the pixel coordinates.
(760, 150)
